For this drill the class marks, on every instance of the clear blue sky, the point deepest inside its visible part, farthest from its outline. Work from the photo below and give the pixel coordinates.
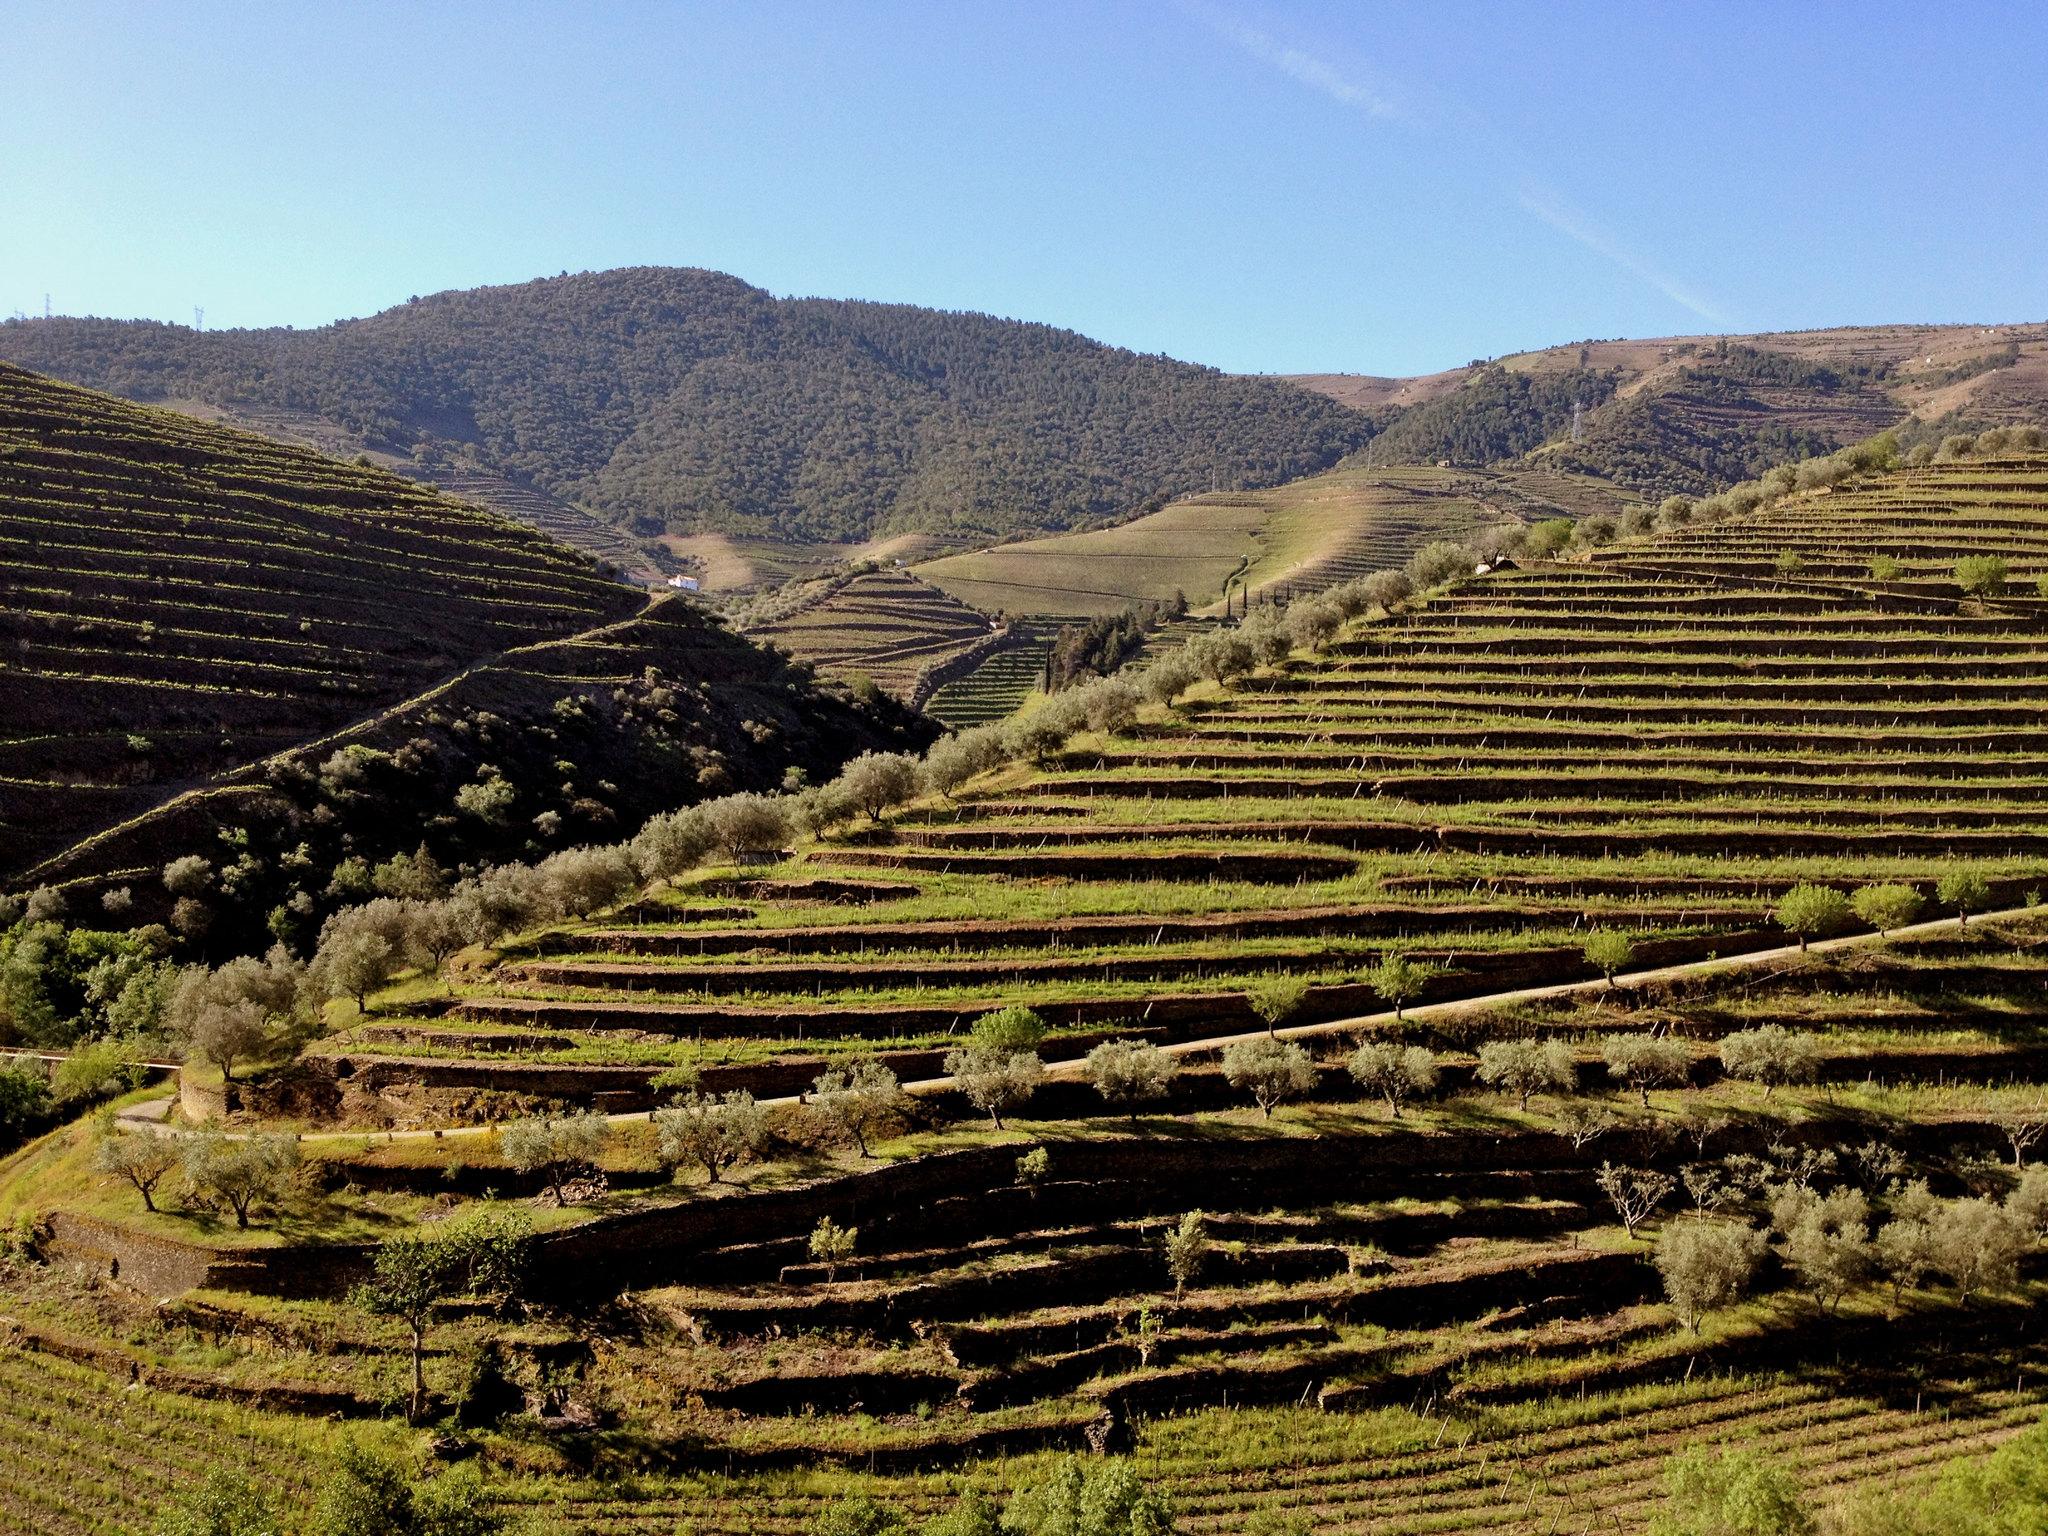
(1385, 188)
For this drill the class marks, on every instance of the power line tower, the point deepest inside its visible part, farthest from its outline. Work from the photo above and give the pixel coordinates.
(1578, 422)
(46, 306)
(198, 318)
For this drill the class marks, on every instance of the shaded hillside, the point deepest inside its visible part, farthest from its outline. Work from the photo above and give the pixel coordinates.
(683, 399)
(1691, 415)
(198, 620)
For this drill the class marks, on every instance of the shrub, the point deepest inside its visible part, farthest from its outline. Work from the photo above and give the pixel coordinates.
(1883, 568)
(1270, 1070)
(1527, 1067)
(1885, 907)
(1106, 1498)
(1730, 1493)
(1129, 1072)
(224, 1503)
(1546, 538)
(1015, 1028)
(1770, 1054)
(1812, 912)
(1393, 1072)
(1706, 1264)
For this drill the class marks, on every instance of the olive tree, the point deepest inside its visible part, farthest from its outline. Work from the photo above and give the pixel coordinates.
(1130, 1072)
(1771, 1055)
(1706, 1264)
(859, 1100)
(552, 1147)
(1885, 907)
(1528, 1067)
(880, 781)
(1395, 1073)
(713, 1131)
(1982, 575)
(1812, 912)
(1908, 1245)
(1827, 1242)
(1646, 1061)
(995, 1078)
(1271, 1071)
(143, 1158)
(832, 1245)
(241, 1171)
(747, 824)
(1635, 1193)
(1979, 1245)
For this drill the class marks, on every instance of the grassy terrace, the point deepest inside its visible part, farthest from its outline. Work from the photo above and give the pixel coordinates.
(885, 626)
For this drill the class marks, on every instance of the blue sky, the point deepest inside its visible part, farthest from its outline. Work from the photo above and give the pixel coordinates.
(1386, 188)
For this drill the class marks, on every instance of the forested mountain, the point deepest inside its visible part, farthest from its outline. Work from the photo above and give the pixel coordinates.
(290, 668)
(1692, 415)
(682, 399)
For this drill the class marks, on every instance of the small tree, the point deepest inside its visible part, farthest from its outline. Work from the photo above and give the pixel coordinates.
(1635, 1193)
(1884, 568)
(2022, 1128)
(1528, 1067)
(1277, 999)
(995, 1079)
(1033, 1167)
(1885, 907)
(1965, 890)
(832, 1245)
(1271, 1071)
(1187, 1250)
(713, 1131)
(1583, 1124)
(1393, 1072)
(1130, 1072)
(1812, 912)
(1982, 575)
(1646, 1061)
(1730, 1493)
(746, 824)
(1908, 1247)
(1770, 1054)
(242, 1171)
(140, 1157)
(859, 1101)
(1608, 951)
(1706, 1265)
(1400, 980)
(551, 1148)
(1009, 1029)
(353, 962)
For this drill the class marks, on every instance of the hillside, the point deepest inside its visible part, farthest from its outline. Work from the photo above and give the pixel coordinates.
(1311, 532)
(199, 620)
(1686, 415)
(1408, 1309)
(680, 400)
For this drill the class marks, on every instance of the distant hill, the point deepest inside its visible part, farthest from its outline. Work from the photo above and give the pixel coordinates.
(196, 621)
(678, 400)
(1694, 414)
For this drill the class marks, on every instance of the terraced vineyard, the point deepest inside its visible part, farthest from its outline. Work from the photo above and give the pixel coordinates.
(999, 682)
(1302, 536)
(886, 626)
(183, 599)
